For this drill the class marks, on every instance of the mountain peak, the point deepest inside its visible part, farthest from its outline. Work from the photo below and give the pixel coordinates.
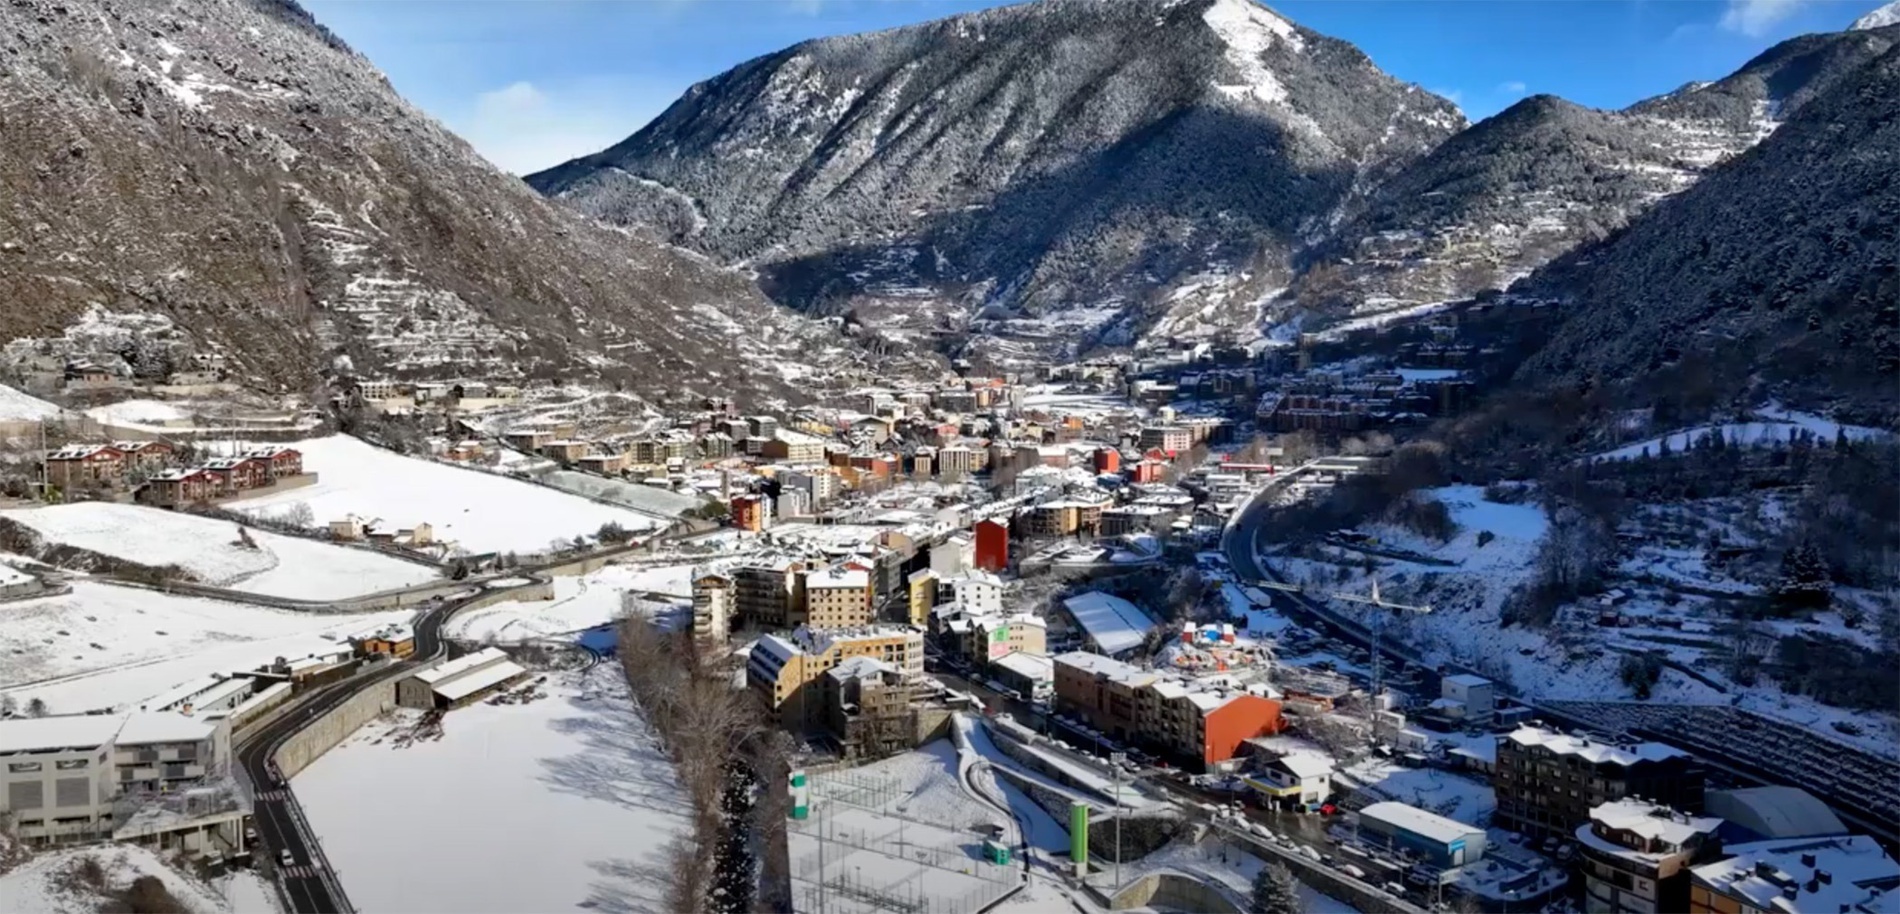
(1878, 19)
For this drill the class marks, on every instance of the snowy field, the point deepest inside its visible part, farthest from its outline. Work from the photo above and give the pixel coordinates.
(1450, 795)
(19, 407)
(555, 805)
(281, 566)
(101, 645)
(139, 412)
(41, 886)
(481, 512)
(1774, 426)
(579, 603)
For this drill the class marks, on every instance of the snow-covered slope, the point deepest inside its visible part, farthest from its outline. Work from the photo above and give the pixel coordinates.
(1880, 18)
(279, 566)
(1034, 170)
(52, 882)
(478, 511)
(20, 407)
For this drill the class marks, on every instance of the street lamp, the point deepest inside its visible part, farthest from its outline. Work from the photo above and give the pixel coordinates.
(1115, 770)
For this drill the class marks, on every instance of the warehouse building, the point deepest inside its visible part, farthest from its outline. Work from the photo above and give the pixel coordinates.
(460, 682)
(1440, 843)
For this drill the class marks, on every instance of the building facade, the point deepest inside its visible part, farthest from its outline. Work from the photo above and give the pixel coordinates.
(1637, 855)
(1547, 782)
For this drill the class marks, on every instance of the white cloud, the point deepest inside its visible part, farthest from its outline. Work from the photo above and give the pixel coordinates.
(524, 127)
(1755, 17)
(1513, 87)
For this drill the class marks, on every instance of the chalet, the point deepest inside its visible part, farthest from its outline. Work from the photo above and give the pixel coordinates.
(280, 461)
(81, 466)
(236, 474)
(606, 464)
(88, 375)
(171, 488)
(528, 439)
(145, 455)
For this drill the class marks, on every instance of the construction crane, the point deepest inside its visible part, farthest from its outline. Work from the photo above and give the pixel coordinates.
(1378, 622)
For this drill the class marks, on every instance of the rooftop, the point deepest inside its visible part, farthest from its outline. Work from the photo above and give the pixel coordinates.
(461, 665)
(1034, 667)
(1419, 822)
(45, 734)
(1594, 750)
(1653, 822)
(142, 727)
(1787, 875)
(1775, 812)
(1114, 624)
(860, 668)
(469, 683)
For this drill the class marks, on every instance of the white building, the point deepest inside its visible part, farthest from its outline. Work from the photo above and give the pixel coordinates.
(980, 593)
(63, 775)
(1296, 778)
(1467, 697)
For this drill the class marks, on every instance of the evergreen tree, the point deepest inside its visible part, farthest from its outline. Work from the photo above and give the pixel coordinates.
(1275, 891)
(1805, 582)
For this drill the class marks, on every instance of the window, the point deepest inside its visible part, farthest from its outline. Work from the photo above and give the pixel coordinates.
(71, 764)
(23, 767)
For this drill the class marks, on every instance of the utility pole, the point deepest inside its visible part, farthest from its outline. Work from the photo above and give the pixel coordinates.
(1115, 770)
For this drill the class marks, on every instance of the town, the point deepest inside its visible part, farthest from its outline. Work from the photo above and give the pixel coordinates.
(1058, 583)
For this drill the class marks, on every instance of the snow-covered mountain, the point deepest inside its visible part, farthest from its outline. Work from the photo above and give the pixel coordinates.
(1054, 174)
(231, 173)
(1536, 180)
(1880, 18)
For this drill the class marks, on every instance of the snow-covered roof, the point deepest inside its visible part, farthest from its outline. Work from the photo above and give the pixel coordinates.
(1306, 764)
(1593, 750)
(460, 665)
(1034, 667)
(468, 684)
(1419, 822)
(1775, 811)
(143, 727)
(1468, 680)
(1114, 624)
(859, 668)
(839, 576)
(1096, 664)
(1653, 821)
(1860, 875)
(79, 451)
(44, 734)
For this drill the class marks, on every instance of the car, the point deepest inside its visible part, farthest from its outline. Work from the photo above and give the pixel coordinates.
(285, 858)
(1309, 853)
(1848, 727)
(1353, 871)
(1328, 859)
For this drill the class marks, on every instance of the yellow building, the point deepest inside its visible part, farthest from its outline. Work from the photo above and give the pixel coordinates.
(923, 596)
(783, 668)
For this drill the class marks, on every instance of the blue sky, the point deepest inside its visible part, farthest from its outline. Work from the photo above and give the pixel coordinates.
(532, 83)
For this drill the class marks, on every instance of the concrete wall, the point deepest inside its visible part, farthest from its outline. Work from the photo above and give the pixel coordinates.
(1361, 895)
(323, 733)
(1172, 892)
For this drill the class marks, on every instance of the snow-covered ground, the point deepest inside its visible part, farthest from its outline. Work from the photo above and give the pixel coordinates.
(1450, 795)
(139, 412)
(1220, 861)
(19, 407)
(280, 566)
(480, 512)
(579, 603)
(42, 885)
(110, 646)
(553, 805)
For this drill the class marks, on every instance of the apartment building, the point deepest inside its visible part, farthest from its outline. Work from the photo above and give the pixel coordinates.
(713, 607)
(1838, 874)
(62, 775)
(991, 637)
(1172, 439)
(922, 595)
(1547, 782)
(769, 594)
(791, 447)
(1200, 722)
(781, 668)
(867, 708)
(1637, 855)
(841, 596)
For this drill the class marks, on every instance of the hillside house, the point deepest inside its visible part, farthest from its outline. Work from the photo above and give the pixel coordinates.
(236, 474)
(566, 450)
(279, 461)
(145, 455)
(83, 466)
(171, 488)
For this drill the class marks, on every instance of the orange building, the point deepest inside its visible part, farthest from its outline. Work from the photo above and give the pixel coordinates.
(1108, 460)
(992, 546)
(1226, 726)
(748, 513)
(1147, 471)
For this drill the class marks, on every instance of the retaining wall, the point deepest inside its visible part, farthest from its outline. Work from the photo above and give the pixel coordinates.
(323, 733)
(1361, 895)
(1172, 892)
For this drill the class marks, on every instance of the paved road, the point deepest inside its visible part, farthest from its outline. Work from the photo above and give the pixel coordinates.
(308, 882)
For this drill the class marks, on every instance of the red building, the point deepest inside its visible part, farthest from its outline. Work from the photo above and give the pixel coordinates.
(748, 513)
(1108, 460)
(82, 466)
(874, 464)
(281, 461)
(992, 546)
(171, 488)
(1146, 471)
(235, 474)
(148, 455)
(1240, 719)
